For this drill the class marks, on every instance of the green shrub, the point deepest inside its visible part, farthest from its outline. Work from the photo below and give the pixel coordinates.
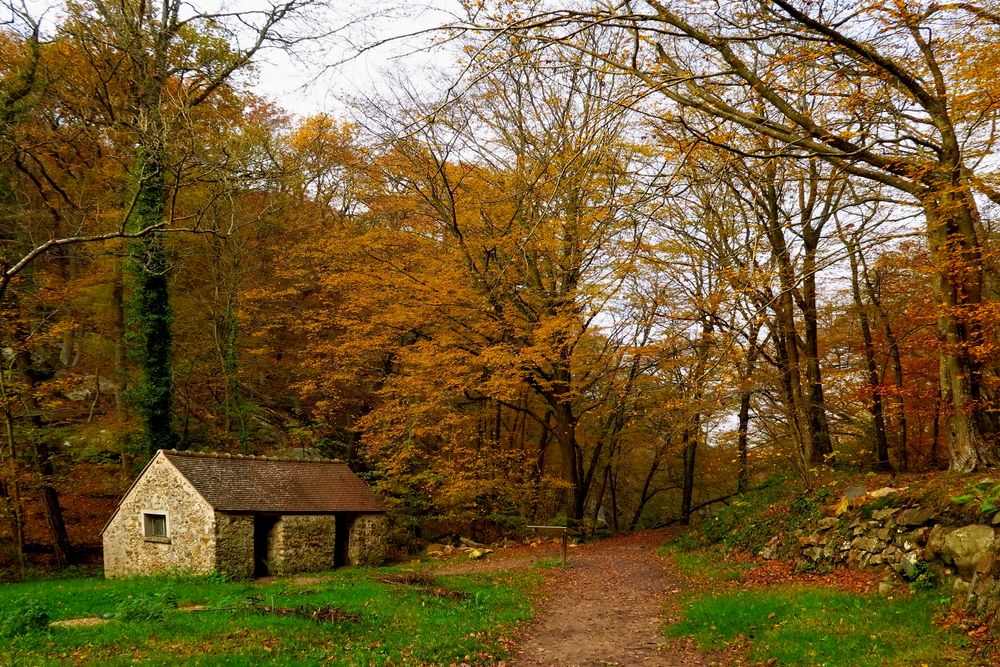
(145, 607)
(923, 578)
(753, 519)
(23, 616)
(804, 507)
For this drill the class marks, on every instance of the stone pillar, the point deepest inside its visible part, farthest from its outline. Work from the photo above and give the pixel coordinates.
(234, 545)
(367, 544)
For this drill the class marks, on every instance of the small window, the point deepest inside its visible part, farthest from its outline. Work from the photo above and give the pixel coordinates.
(154, 525)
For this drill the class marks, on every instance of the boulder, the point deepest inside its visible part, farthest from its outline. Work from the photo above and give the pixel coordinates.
(907, 566)
(883, 514)
(964, 546)
(852, 493)
(827, 523)
(915, 516)
(968, 545)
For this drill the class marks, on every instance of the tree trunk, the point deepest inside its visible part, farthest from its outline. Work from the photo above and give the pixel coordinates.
(786, 334)
(66, 262)
(10, 490)
(743, 474)
(820, 443)
(687, 491)
(896, 362)
(644, 495)
(613, 490)
(599, 500)
(151, 316)
(50, 503)
(746, 397)
(569, 453)
(871, 367)
(43, 465)
(955, 249)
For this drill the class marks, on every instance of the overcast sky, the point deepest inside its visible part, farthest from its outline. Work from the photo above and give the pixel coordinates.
(311, 80)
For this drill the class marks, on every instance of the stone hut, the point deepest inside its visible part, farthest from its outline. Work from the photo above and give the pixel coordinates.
(243, 516)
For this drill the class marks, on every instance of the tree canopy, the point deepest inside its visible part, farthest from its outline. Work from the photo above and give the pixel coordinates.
(633, 258)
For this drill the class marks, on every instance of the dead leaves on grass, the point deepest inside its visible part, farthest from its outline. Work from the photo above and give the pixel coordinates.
(423, 582)
(325, 614)
(781, 572)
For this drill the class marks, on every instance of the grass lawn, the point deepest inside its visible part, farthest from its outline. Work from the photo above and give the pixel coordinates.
(379, 616)
(810, 625)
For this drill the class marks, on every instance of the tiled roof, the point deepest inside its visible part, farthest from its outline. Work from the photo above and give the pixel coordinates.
(258, 484)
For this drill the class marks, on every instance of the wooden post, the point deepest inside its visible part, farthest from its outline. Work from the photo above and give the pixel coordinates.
(562, 532)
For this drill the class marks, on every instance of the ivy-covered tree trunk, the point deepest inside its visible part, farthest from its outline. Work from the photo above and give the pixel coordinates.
(150, 316)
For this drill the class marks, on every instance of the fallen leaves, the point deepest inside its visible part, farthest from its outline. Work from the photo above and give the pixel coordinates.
(781, 572)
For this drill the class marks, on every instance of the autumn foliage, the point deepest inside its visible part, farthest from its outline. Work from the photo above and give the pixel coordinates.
(624, 273)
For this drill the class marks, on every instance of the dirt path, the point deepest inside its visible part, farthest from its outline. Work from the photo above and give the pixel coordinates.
(605, 609)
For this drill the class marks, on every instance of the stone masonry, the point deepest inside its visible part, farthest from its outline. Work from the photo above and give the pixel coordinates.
(197, 513)
(367, 543)
(912, 543)
(189, 545)
(301, 544)
(234, 545)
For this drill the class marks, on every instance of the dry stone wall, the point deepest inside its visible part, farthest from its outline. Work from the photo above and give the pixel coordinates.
(189, 545)
(367, 542)
(913, 544)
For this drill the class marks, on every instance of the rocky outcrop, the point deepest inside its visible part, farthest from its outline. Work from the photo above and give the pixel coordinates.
(962, 547)
(916, 544)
